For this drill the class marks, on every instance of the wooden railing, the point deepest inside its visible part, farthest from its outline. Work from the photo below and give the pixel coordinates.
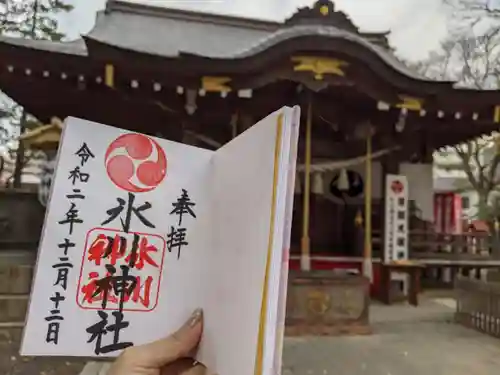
(466, 246)
(473, 243)
(478, 305)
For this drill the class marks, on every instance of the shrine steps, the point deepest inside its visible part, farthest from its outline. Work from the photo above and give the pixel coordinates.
(16, 272)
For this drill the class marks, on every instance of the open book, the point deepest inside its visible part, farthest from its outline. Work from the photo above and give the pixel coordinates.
(140, 231)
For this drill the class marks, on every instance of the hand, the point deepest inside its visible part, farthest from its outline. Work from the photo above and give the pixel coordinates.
(168, 356)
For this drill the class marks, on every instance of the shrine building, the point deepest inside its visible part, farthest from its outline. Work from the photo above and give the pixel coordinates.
(202, 79)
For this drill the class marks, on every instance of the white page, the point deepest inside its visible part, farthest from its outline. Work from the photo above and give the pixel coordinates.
(283, 282)
(222, 270)
(171, 282)
(277, 250)
(242, 201)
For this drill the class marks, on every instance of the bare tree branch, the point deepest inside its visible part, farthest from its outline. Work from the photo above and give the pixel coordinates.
(470, 56)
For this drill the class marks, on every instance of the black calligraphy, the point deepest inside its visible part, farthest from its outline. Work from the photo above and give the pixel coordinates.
(71, 219)
(130, 209)
(102, 327)
(84, 154)
(77, 175)
(119, 284)
(72, 215)
(183, 206)
(114, 286)
(176, 237)
(401, 228)
(54, 319)
(396, 227)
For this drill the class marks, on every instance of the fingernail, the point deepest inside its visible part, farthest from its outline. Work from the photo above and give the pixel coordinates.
(195, 317)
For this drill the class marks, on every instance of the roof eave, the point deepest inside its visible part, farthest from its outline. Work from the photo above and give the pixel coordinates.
(76, 47)
(189, 15)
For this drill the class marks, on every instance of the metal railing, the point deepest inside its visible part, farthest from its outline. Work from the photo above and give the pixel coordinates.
(478, 305)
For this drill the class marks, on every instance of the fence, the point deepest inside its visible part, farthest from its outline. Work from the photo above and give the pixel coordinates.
(478, 305)
(468, 245)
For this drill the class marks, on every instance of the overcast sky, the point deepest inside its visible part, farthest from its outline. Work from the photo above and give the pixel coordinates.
(417, 26)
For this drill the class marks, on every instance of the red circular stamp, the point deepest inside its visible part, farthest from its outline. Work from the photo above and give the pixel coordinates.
(135, 163)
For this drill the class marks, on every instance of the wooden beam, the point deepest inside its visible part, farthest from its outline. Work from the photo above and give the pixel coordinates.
(108, 107)
(151, 111)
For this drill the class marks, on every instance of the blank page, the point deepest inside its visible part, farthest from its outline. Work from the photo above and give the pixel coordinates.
(242, 204)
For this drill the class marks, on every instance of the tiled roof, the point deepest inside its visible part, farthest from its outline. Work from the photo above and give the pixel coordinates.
(170, 32)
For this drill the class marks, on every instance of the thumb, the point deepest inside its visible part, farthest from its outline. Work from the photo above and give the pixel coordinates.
(178, 345)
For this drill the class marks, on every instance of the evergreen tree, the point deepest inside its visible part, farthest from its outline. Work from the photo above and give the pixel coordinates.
(30, 19)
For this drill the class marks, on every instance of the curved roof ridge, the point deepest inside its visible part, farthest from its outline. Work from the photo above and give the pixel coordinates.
(190, 15)
(326, 31)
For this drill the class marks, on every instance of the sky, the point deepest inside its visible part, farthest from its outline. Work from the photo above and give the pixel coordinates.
(417, 26)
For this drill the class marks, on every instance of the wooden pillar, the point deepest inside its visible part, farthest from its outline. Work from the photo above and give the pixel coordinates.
(109, 75)
(305, 243)
(367, 254)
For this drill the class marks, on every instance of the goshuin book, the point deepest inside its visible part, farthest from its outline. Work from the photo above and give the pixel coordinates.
(140, 231)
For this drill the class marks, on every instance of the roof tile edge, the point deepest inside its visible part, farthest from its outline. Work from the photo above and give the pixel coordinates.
(190, 15)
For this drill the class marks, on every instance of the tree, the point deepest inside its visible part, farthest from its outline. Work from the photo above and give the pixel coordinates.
(31, 19)
(479, 159)
(472, 61)
(473, 9)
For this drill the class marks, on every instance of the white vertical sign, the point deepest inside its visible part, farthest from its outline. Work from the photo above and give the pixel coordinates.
(396, 218)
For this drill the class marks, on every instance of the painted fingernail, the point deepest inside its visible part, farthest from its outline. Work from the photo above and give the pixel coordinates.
(195, 317)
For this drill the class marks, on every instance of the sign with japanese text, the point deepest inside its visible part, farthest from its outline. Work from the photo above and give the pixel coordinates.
(396, 218)
(140, 231)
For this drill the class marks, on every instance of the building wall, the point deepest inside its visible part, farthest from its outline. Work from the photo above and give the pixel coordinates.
(421, 181)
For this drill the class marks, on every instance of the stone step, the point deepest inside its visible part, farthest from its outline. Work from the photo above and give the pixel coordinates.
(14, 256)
(16, 272)
(15, 278)
(13, 308)
(11, 325)
(11, 332)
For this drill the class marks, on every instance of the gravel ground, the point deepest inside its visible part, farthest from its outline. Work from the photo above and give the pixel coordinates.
(406, 341)
(396, 348)
(11, 363)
